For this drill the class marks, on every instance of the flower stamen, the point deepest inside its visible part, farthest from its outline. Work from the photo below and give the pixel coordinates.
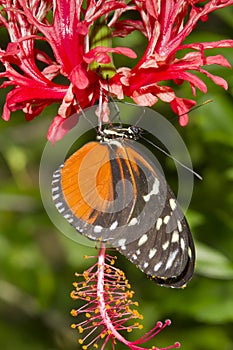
(108, 307)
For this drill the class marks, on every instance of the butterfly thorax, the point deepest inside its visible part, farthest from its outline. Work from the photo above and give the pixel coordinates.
(132, 133)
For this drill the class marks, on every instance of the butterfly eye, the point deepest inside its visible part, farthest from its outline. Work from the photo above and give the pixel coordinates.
(135, 130)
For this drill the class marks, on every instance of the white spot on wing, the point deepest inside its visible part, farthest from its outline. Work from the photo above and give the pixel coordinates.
(189, 253)
(133, 222)
(152, 253)
(157, 266)
(166, 219)
(175, 236)
(142, 240)
(56, 174)
(179, 226)
(58, 205)
(165, 245)
(98, 229)
(159, 223)
(171, 259)
(89, 235)
(154, 191)
(55, 189)
(182, 244)
(121, 243)
(113, 226)
(172, 203)
(67, 216)
(55, 181)
(56, 196)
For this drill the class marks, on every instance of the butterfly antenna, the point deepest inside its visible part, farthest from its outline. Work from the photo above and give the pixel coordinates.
(100, 109)
(141, 116)
(196, 107)
(84, 114)
(173, 158)
(111, 99)
(193, 109)
(169, 155)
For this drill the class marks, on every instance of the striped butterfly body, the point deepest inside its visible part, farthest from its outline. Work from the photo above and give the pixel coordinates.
(111, 192)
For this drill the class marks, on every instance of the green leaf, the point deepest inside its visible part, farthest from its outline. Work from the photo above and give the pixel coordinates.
(212, 263)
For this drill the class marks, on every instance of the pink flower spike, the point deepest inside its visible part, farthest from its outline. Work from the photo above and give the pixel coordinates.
(107, 308)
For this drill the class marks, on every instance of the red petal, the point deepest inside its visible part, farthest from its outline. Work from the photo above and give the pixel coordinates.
(216, 79)
(99, 54)
(122, 28)
(218, 59)
(181, 107)
(79, 77)
(6, 113)
(145, 99)
(60, 126)
(152, 8)
(209, 45)
(29, 94)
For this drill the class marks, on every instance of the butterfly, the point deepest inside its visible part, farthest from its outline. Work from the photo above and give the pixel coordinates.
(110, 191)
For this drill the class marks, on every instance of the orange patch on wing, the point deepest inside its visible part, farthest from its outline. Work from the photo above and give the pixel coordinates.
(86, 181)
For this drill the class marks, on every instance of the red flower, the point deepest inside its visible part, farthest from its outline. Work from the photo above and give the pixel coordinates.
(164, 25)
(108, 307)
(80, 40)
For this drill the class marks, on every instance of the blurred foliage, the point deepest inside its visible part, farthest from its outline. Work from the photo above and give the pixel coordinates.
(38, 263)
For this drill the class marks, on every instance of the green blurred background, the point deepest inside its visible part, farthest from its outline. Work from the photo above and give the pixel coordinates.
(38, 262)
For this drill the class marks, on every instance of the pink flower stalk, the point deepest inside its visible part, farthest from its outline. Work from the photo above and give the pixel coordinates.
(79, 35)
(108, 307)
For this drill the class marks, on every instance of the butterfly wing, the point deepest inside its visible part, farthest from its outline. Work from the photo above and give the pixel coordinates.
(113, 193)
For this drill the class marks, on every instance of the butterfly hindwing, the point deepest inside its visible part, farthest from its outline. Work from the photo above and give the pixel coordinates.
(166, 252)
